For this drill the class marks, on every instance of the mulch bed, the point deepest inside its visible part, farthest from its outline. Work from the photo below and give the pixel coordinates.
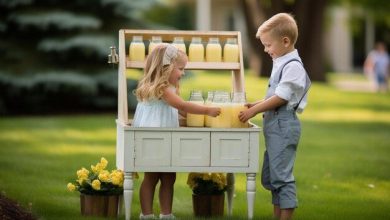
(11, 210)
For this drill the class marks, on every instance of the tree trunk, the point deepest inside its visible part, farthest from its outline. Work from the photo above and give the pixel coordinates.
(309, 16)
(310, 20)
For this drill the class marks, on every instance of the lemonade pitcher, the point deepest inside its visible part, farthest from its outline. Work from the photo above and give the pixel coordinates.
(238, 105)
(222, 100)
(230, 50)
(195, 120)
(137, 49)
(178, 42)
(196, 50)
(156, 40)
(209, 102)
(213, 50)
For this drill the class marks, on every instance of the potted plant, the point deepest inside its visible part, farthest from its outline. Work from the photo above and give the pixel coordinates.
(208, 193)
(100, 189)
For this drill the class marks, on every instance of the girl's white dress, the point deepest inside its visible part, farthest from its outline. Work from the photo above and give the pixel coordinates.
(156, 113)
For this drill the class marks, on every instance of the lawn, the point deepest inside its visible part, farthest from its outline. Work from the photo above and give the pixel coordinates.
(342, 168)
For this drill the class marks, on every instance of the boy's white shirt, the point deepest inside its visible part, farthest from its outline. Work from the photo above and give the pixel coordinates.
(292, 84)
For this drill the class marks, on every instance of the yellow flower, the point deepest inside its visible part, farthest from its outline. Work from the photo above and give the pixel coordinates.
(96, 185)
(82, 173)
(98, 180)
(207, 183)
(206, 176)
(103, 162)
(71, 187)
(117, 177)
(104, 176)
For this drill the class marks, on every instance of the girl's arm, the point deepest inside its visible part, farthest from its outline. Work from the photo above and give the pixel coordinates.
(177, 102)
(269, 104)
(182, 113)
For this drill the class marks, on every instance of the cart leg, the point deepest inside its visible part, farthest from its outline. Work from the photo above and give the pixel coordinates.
(230, 192)
(128, 193)
(250, 192)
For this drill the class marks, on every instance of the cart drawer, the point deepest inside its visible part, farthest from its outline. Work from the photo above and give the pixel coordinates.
(152, 148)
(191, 148)
(230, 149)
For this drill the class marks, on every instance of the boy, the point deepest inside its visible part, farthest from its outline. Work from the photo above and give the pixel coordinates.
(286, 95)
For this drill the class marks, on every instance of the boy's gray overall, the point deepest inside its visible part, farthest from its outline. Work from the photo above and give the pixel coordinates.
(282, 130)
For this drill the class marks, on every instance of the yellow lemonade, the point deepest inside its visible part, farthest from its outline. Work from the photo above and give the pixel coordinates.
(196, 50)
(235, 121)
(230, 53)
(178, 42)
(181, 47)
(213, 51)
(137, 49)
(224, 119)
(207, 119)
(194, 120)
(156, 40)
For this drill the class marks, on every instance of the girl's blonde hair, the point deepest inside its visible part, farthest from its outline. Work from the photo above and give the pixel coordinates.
(280, 25)
(156, 75)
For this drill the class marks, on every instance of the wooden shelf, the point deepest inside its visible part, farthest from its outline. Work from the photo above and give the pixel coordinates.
(169, 35)
(193, 65)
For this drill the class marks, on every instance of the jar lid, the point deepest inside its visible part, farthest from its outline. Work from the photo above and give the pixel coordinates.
(137, 38)
(213, 40)
(231, 41)
(156, 39)
(196, 40)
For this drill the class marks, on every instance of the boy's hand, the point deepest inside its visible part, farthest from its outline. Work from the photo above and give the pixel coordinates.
(245, 115)
(213, 111)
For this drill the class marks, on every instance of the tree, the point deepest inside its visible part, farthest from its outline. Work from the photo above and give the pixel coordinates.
(63, 36)
(309, 16)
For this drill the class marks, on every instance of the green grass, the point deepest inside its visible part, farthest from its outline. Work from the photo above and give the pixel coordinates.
(342, 168)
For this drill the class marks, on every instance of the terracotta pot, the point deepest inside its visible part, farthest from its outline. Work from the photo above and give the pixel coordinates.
(98, 205)
(208, 205)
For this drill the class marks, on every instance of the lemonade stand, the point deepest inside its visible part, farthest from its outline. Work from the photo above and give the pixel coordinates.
(186, 149)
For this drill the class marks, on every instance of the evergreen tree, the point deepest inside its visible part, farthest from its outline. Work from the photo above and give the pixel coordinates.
(41, 36)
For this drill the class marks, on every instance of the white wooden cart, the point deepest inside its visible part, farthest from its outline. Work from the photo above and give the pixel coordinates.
(185, 149)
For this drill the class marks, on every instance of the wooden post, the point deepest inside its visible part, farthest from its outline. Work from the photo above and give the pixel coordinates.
(122, 84)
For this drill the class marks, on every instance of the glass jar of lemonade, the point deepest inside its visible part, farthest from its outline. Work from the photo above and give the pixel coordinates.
(137, 49)
(195, 120)
(196, 50)
(156, 40)
(178, 42)
(238, 105)
(222, 100)
(230, 50)
(209, 101)
(213, 50)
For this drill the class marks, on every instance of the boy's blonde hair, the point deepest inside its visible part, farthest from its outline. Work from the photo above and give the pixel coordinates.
(156, 75)
(280, 25)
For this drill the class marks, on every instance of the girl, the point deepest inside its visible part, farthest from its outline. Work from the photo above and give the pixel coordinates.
(158, 106)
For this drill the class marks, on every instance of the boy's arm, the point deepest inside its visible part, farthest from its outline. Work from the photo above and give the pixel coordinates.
(269, 104)
(250, 105)
(177, 102)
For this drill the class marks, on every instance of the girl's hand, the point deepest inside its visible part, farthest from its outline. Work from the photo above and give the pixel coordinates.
(245, 115)
(213, 111)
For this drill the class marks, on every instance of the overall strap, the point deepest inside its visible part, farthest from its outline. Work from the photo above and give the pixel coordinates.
(308, 82)
(281, 70)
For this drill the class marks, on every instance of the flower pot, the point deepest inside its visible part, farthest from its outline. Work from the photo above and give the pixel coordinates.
(99, 205)
(208, 205)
